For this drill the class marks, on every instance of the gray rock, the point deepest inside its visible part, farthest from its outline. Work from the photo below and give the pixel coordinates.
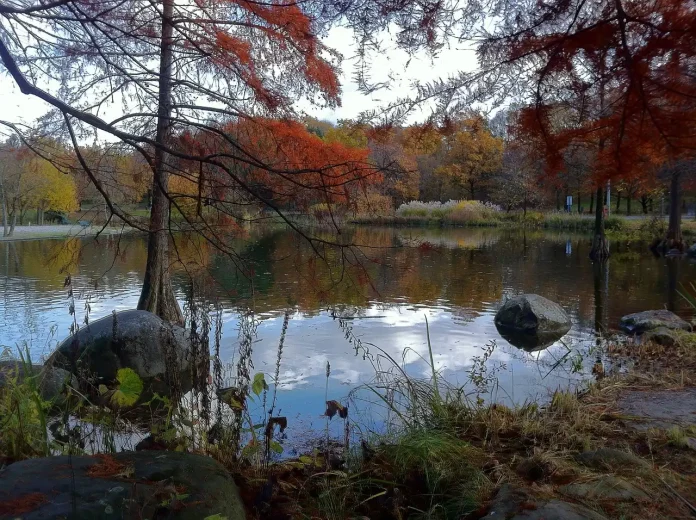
(658, 408)
(147, 484)
(558, 510)
(516, 504)
(606, 487)
(611, 459)
(50, 380)
(134, 339)
(641, 322)
(531, 321)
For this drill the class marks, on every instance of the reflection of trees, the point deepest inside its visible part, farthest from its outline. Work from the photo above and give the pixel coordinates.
(279, 271)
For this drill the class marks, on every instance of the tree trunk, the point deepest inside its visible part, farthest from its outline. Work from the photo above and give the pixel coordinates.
(558, 200)
(13, 223)
(591, 202)
(618, 202)
(628, 206)
(650, 204)
(644, 204)
(579, 203)
(672, 277)
(157, 295)
(674, 232)
(600, 246)
(3, 201)
(471, 190)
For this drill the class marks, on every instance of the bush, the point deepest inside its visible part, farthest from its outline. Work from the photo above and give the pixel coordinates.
(472, 212)
(613, 223)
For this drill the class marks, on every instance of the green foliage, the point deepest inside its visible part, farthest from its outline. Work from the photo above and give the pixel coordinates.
(23, 413)
(130, 386)
(259, 384)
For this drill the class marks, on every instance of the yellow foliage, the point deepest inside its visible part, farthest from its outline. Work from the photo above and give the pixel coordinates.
(348, 134)
(44, 186)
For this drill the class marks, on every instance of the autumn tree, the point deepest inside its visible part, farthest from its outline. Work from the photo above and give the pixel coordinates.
(473, 155)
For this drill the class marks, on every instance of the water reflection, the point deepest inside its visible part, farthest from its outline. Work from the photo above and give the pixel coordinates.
(457, 278)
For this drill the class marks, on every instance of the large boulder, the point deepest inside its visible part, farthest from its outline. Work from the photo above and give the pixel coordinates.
(640, 322)
(531, 321)
(156, 350)
(146, 484)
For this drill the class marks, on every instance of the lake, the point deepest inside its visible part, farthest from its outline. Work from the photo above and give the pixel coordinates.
(457, 278)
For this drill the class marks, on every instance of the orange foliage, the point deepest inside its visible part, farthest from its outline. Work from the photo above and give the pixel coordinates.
(287, 28)
(297, 166)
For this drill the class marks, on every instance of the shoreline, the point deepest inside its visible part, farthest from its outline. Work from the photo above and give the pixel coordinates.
(57, 232)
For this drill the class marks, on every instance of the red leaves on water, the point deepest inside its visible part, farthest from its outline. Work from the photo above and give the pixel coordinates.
(22, 505)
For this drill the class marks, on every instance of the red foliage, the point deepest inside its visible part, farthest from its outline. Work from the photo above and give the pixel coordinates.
(22, 505)
(615, 80)
(107, 467)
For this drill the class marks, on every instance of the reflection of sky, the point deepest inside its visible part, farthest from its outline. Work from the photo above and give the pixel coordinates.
(400, 331)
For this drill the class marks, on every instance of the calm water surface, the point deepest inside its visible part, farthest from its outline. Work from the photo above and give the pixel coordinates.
(458, 279)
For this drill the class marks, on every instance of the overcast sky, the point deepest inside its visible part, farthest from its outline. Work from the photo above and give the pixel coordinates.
(16, 107)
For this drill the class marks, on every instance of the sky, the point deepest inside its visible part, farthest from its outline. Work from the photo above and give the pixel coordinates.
(393, 66)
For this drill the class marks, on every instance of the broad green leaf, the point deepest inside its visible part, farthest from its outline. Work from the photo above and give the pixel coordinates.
(215, 517)
(130, 386)
(277, 447)
(259, 384)
(103, 389)
(304, 459)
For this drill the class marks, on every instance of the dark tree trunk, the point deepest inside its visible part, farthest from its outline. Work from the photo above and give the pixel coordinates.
(558, 200)
(600, 246)
(599, 271)
(644, 204)
(591, 202)
(672, 277)
(13, 223)
(650, 204)
(628, 206)
(618, 202)
(674, 232)
(3, 201)
(579, 203)
(157, 295)
(471, 190)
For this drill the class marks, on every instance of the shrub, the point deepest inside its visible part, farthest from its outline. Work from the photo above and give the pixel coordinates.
(374, 204)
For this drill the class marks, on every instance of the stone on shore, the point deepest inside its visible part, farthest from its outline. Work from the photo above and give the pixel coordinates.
(640, 322)
(147, 484)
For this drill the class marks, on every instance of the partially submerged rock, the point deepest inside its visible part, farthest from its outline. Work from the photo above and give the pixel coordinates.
(532, 322)
(640, 322)
(148, 484)
(156, 350)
